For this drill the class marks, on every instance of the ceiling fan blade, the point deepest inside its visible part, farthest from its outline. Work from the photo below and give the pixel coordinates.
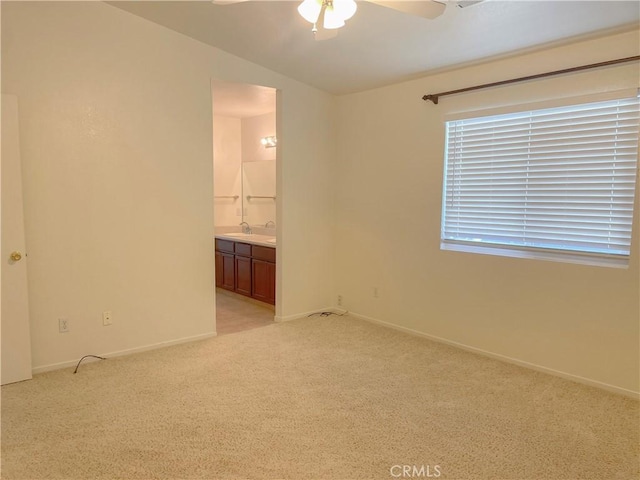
(423, 8)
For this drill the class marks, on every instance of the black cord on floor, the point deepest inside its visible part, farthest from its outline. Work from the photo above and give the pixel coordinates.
(327, 314)
(94, 356)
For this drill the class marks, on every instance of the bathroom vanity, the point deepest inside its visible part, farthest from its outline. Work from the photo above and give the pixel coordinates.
(246, 264)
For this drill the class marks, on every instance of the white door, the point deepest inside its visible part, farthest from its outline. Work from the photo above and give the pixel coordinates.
(16, 340)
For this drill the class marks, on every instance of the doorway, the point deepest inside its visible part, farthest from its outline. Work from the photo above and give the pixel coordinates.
(245, 213)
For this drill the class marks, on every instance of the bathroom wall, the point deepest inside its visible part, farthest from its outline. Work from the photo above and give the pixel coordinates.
(227, 170)
(258, 181)
(259, 169)
(253, 129)
(244, 167)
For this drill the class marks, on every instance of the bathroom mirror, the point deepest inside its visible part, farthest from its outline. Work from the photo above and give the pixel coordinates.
(244, 154)
(259, 192)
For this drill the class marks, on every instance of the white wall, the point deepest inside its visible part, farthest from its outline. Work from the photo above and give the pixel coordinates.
(580, 320)
(304, 177)
(227, 170)
(116, 135)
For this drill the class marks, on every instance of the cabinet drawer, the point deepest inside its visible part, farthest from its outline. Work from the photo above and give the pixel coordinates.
(267, 254)
(224, 245)
(243, 249)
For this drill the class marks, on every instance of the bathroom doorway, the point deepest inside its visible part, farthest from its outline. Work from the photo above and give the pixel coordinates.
(245, 212)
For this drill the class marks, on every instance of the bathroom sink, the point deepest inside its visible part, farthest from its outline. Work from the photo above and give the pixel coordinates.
(255, 238)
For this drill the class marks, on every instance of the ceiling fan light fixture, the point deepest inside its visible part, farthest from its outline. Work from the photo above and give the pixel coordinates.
(332, 19)
(331, 14)
(310, 10)
(345, 9)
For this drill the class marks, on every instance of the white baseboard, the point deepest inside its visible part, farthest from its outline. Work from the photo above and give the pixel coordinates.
(504, 358)
(121, 353)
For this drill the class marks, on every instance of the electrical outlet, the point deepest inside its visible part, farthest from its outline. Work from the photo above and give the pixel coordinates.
(63, 325)
(106, 318)
(376, 293)
(339, 300)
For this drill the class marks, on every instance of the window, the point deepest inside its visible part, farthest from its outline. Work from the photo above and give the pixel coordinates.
(556, 183)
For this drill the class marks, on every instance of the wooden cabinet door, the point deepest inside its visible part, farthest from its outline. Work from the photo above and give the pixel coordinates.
(225, 271)
(243, 275)
(263, 281)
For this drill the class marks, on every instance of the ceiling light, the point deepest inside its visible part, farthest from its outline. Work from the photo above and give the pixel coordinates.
(336, 12)
(310, 10)
(332, 19)
(345, 8)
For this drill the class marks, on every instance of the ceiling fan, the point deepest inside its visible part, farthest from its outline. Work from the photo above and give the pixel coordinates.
(327, 16)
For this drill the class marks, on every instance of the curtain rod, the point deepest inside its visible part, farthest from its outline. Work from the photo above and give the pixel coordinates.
(435, 96)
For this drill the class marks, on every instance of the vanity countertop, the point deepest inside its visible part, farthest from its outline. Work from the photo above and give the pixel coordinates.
(252, 238)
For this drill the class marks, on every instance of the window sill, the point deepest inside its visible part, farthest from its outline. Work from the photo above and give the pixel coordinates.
(539, 254)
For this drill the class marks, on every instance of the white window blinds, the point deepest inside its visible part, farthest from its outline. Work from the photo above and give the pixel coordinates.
(558, 179)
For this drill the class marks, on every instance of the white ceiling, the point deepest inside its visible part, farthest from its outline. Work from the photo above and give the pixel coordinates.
(380, 46)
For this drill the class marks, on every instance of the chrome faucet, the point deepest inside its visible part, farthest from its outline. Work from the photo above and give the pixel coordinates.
(273, 224)
(246, 228)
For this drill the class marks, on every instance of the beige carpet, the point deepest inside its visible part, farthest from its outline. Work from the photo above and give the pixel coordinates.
(322, 398)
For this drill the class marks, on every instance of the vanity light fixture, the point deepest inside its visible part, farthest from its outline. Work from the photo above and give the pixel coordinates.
(269, 142)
